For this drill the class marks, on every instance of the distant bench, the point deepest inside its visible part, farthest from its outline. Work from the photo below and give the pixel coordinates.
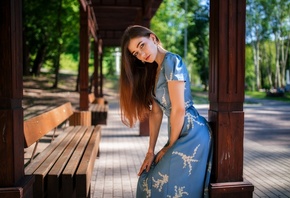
(99, 110)
(64, 168)
(275, 92)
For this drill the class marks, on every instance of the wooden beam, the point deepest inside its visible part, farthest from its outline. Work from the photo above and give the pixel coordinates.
(13, 183)
(96, 69)
(92, 22)
(101, 69)
(147, 10)
(11, 112)
(226, 96)
(83, 5)
(84, 60)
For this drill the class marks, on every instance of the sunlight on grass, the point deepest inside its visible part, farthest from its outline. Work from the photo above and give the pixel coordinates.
(263, 95)
(199, 96)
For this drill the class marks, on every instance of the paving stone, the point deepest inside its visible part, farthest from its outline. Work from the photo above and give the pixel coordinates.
(266, 152)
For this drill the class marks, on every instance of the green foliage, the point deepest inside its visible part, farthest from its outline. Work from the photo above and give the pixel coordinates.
(198, 32)
(51, 33)
(167, 23)
(250, 69)
(268, 33)
(52, 26)
(69, 63)
(171, 22)
(109, 62)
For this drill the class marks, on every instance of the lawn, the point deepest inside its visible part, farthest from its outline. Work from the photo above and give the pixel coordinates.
(201, 97)
(263, 95)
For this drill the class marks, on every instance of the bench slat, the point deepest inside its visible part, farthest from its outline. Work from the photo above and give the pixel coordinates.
(40, 173)
(53, 183)
(34, 128)
(32, 166)
(85, 169)
(67, 163)
(67, 177)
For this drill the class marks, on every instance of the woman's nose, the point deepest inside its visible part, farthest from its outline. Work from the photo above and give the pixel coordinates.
(142, 54)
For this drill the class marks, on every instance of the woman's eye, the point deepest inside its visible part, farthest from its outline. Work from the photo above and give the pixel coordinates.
(135, 54)
(142, 45)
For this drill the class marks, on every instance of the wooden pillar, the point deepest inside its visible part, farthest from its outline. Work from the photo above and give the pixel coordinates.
(83, 118)
(144, 125)
(13, 183)
(96, 69)
(98, 72)
(101, 76)
(84, 58)
(226, 96)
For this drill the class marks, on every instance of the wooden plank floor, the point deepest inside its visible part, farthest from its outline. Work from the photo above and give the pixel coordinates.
(266, 157)
(266, 146)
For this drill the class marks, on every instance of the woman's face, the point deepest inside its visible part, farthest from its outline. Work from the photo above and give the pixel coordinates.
(144, 48)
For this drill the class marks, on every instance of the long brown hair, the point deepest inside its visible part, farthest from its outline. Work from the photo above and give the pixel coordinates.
(137, 79)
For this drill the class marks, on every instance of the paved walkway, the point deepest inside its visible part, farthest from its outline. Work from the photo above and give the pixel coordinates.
(266, 152)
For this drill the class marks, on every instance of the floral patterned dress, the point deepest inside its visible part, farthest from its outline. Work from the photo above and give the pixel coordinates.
(184, 171)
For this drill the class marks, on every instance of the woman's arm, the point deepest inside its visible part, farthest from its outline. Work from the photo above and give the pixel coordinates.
(176, 94)
(155, 118)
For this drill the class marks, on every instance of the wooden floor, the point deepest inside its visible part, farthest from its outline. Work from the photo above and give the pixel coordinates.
(266, 151)
(266, 157)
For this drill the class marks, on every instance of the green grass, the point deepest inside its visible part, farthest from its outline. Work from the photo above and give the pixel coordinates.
(263, 95)
(201, 97)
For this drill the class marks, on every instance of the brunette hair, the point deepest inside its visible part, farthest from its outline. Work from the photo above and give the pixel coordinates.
(136, 80)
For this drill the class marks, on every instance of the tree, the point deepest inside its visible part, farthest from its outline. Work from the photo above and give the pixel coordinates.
(257, 31)
(167, 23)
(199, 35)
(268, 22)
(279, 14)
(171, 22)
(49, 34)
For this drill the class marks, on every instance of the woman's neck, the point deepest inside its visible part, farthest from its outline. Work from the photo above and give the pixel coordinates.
(160, 55)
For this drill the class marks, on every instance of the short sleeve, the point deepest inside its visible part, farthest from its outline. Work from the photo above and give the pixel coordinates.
(174, 68)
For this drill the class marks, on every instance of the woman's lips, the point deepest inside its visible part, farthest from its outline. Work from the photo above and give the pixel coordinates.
(147, 57)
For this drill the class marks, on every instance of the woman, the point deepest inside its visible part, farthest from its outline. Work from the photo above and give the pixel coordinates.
(154, 81)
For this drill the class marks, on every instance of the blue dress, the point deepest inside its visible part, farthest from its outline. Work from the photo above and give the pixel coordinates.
(184, 171)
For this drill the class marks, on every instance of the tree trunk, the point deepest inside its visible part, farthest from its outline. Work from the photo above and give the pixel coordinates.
(78, 80)
(256, 63)
(38, 61)
(284, 57)
(26, 56)
(277, 72)
(56, 71)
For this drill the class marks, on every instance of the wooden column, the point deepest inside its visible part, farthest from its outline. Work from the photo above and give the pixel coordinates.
(98, 72)
(96, 69)
(226, 96)
(144, 125)
(84, 58)
(13, 183)
(101, 76)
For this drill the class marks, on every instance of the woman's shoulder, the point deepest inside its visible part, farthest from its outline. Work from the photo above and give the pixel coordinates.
(172, 55)
(172, 58)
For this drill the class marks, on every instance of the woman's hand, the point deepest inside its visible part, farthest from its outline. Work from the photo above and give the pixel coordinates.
(146, 163)
(161, 153)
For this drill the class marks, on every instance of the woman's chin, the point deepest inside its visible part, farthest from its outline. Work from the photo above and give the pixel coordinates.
(149, 61)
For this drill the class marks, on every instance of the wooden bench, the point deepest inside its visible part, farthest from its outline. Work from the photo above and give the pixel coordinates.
(64, 168)
(99, 110)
